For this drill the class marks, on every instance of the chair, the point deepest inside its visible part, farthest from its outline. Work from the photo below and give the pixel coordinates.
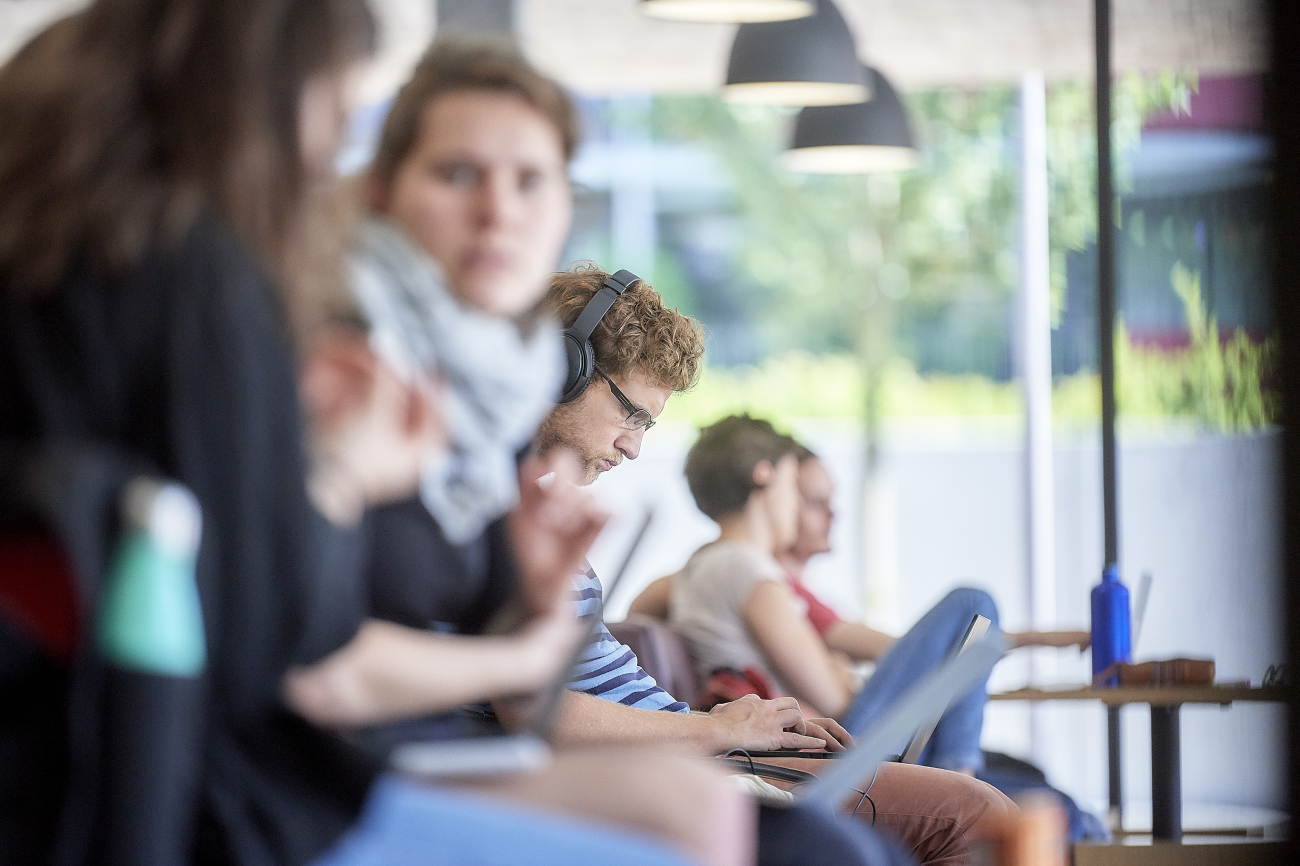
(662, 655)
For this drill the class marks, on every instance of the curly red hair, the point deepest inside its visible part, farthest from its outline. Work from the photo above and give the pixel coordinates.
(638, 333)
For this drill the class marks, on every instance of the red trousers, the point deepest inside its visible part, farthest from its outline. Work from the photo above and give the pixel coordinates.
(935, 814)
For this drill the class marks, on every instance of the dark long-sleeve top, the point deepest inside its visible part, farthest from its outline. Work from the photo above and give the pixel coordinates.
(418, 578)
(184, 361)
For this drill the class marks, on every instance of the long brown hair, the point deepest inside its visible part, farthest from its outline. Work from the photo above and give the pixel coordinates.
(126, 120)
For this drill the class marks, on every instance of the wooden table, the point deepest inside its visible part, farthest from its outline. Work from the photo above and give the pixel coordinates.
(1164, 701)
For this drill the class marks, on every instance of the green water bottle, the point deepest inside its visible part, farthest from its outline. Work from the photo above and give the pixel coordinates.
(150, 636)
(150, 619)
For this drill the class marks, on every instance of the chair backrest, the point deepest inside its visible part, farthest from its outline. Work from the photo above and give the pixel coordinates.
(662, 655)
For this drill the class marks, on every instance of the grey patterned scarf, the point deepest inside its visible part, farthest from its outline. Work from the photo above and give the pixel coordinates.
(501, 383)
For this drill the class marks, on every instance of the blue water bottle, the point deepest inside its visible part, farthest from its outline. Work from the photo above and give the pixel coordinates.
(1111, 630)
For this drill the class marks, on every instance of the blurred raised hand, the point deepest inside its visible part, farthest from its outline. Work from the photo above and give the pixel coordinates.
(552, 529)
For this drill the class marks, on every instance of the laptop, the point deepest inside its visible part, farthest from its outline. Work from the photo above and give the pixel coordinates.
(978, 627)
(1140, 608)
(924, 701)
(526, 749)
(975, 629)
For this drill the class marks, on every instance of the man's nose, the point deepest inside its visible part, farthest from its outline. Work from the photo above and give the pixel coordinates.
(629, 443)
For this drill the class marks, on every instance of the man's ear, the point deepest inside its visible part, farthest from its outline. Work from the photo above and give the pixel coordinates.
(337, 379)
(762, 473)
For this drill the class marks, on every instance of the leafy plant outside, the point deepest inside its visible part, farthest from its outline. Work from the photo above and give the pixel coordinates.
(1213, 384)
(839, 263)
(1219, 383)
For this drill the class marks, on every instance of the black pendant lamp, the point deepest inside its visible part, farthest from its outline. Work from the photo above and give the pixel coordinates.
(807, 61)
(854, 139)
(727, 11)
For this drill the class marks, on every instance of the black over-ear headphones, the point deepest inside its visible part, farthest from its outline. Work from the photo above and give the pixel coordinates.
(578, 351)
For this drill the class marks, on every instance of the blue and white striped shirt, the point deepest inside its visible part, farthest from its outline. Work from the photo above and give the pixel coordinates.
(607, 668)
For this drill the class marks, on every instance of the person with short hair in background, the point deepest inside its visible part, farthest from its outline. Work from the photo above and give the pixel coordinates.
(846, 643)
(732, 603)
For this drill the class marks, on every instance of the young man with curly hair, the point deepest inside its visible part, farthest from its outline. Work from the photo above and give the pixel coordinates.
(644, 353)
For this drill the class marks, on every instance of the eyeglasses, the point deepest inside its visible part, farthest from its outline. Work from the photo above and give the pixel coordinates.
(636, 416)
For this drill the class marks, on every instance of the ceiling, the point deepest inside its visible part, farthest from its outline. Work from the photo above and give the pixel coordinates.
(917, 43)
(607, 46)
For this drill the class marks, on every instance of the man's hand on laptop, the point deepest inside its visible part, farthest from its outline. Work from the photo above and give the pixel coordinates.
(837, 739)
(753, 723)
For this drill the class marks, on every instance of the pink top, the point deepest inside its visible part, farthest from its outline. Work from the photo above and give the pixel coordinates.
(821, 616)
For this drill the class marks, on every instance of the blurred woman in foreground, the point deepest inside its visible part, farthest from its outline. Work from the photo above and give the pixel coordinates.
(163, 251)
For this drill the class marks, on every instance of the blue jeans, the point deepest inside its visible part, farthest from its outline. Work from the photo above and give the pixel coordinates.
(956, 741)
(406, 823)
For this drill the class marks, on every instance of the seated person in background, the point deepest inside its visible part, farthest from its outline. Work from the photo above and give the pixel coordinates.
(733, 605)
(856, 641)
(931, 638)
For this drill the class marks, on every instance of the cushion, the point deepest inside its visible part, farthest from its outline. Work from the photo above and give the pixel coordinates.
(662, 655)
